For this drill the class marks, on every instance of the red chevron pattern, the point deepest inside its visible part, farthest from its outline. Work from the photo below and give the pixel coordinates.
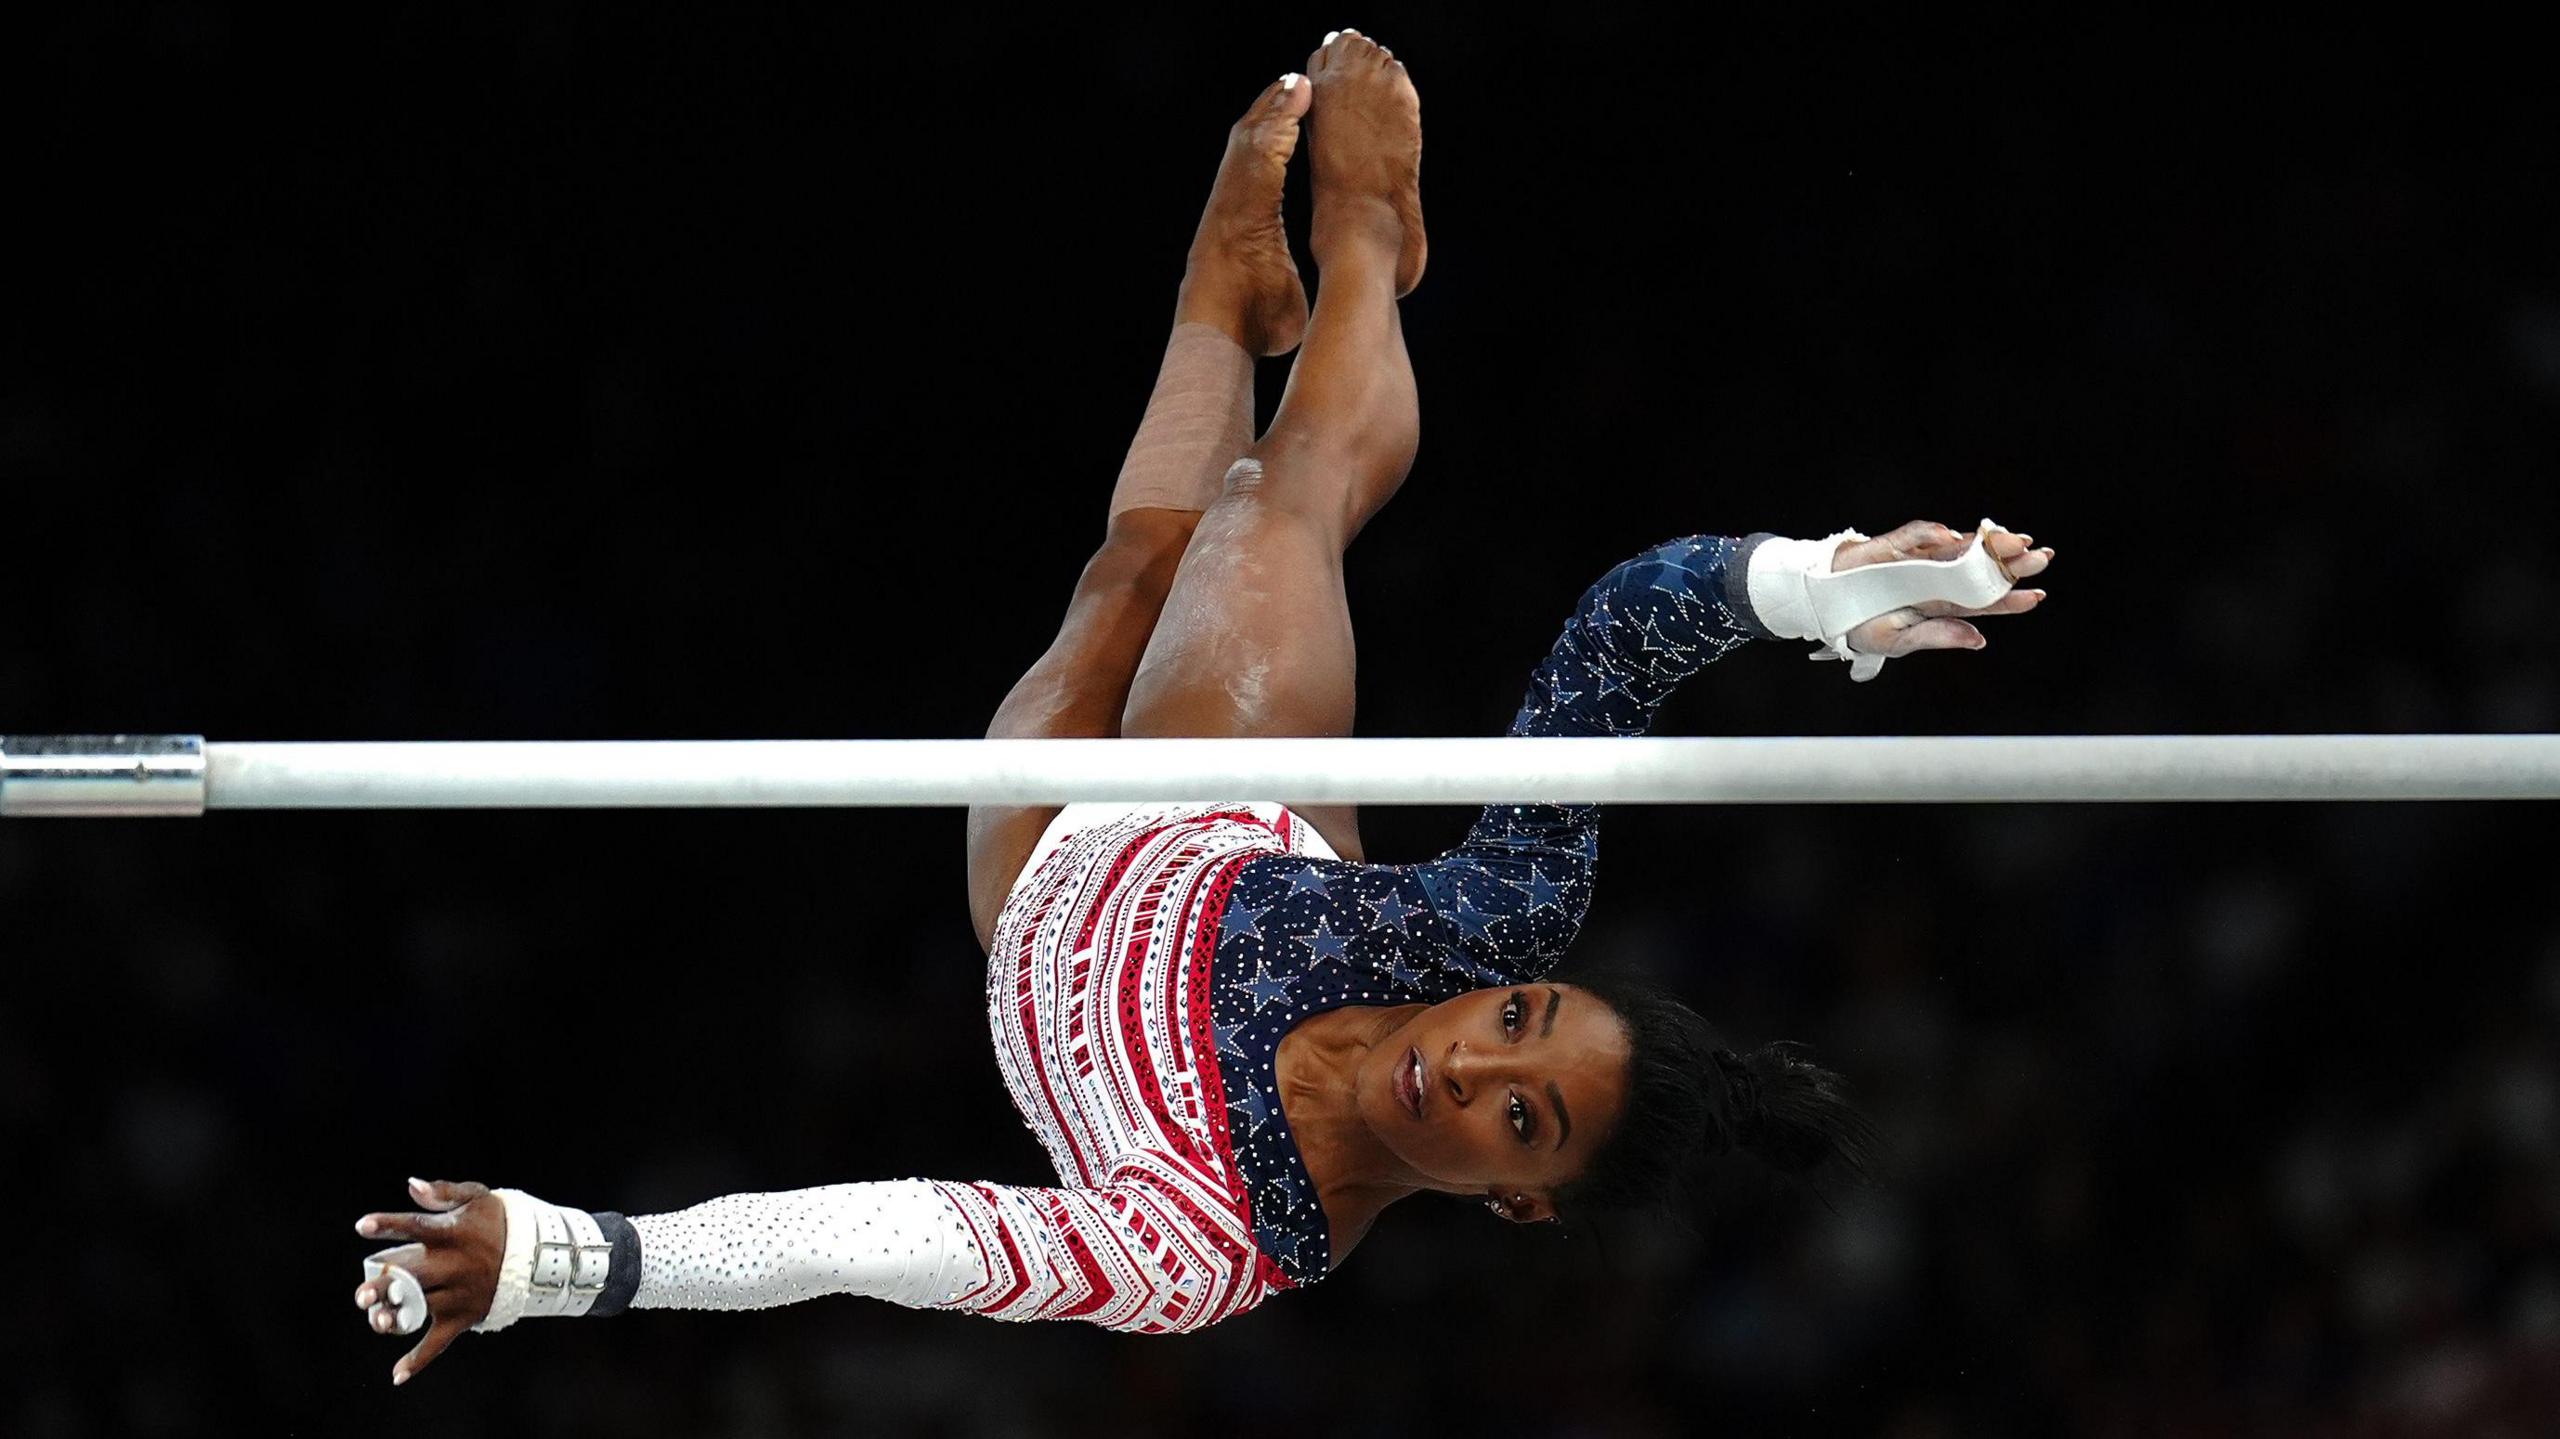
(1097, 995)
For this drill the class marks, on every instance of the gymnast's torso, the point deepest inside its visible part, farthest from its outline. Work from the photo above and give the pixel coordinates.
(1150, 958)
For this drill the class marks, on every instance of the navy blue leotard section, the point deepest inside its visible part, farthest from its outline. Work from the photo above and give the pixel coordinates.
(1299, 937)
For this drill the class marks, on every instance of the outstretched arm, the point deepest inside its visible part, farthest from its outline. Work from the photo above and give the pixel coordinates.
(1124, 1257)
(1505, 905)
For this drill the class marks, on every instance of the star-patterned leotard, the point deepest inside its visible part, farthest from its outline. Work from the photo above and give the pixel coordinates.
(1302, 936)
(1143, 971)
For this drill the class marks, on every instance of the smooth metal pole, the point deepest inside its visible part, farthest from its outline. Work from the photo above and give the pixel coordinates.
(73, 775)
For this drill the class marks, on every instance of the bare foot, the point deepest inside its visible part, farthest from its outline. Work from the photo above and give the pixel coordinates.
(1241, 277)
(1367, 153)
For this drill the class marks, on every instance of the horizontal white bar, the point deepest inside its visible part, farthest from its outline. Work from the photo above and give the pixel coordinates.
(1901, 770)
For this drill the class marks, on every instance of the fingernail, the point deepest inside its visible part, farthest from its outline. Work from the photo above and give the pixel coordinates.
(416, 1183)
(365, 1227)
(399, 1376)
(1331, 35)
(365, 1298)
(1288, 83)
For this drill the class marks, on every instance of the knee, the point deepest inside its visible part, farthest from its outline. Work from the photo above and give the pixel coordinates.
(1332, 487)
(1282, 489)
(1140, 551)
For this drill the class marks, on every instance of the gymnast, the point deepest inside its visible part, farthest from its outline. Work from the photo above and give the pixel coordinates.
(1237, 1040)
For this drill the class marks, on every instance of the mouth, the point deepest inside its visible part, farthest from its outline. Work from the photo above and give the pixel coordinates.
(1409, 1083)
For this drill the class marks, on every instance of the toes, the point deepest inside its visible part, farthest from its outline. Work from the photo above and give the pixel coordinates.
(1283, 99)
(1342, 48)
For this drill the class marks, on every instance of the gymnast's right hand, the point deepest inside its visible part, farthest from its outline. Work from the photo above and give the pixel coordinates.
(453, 1253)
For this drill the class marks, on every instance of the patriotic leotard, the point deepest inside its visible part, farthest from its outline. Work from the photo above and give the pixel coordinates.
(1143, 971)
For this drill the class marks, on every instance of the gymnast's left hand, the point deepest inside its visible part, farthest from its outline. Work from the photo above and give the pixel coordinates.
(1938, 624)
(454, 1250)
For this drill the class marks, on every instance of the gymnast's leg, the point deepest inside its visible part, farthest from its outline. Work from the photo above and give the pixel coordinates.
(1240, 298)
(1255, 636)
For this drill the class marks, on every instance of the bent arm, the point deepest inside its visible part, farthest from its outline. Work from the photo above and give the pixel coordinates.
(1517, 888)
(1505, 905)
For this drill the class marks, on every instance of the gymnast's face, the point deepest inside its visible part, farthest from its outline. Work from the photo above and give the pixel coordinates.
(1505, 1092)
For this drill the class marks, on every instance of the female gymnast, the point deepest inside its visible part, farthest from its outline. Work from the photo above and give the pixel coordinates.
(1239, 1042)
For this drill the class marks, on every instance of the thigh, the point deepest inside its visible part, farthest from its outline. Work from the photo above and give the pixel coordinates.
(1078, 688)
(1255, 640)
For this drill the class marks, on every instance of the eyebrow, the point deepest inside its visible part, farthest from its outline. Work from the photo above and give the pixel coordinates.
(1564, 1121)
(1554, 998)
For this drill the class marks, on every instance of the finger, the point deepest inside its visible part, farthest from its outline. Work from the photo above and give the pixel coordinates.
(2015, 602)
(444, 1194)
(388, 1318)
(438, 1336)
(2031, 563)
(391, 1224)
(433, 1269)
(1937, 634)
(1928, 540)
(2007, 544)
(402, 1256)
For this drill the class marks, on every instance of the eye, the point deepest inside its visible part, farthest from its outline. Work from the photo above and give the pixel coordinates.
(1519, 1117)
(1512, 1014)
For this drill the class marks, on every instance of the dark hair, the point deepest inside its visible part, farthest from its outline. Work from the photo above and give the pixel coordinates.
(1690, 1098)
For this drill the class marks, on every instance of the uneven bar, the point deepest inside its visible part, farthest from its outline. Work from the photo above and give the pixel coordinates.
(55, 775)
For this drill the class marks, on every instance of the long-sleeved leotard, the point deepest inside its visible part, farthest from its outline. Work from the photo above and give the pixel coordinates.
(1144, 968)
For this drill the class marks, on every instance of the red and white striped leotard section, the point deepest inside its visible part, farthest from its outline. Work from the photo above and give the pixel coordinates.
(1098, 996)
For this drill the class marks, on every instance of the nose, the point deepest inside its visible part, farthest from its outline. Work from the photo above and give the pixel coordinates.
(1464, 1070)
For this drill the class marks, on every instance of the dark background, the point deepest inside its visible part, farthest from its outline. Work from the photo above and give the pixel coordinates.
(594, 373)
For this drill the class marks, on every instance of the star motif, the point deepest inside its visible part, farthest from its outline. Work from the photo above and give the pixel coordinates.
(1251, 925)
(1653, 641)
(1541, 890)
(1612, 684)
(1309, 880)
(1257, 1110)
(1391, 910)
(1290, 1185)
(1265, 989)
(1403, 973)
(1279, 1243)
(1473, 920)
(1324, 942)
(1227, 1038)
